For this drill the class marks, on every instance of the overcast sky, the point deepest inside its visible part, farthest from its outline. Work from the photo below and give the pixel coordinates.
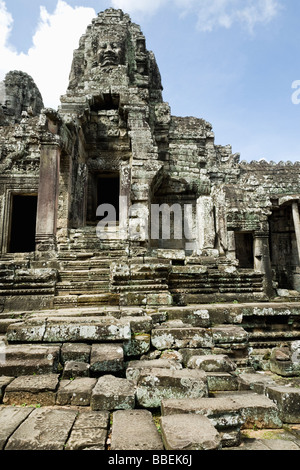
(231, 62)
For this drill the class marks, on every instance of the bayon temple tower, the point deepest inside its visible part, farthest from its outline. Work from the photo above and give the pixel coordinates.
(113, 200)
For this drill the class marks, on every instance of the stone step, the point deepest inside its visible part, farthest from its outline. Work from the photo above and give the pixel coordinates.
(167, 337)
(86, 274)
(81, 288)
(77, 329)
(43, 429)
(16, 360)
(135, 430)
(189, 433)
(155, 384)
(86, 300)
(287, 400)
(135, 368)
(32, 390)
(113, 393)
(244, 410)
(212, 363)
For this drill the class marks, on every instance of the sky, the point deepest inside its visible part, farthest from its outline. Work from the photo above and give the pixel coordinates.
(234, 63)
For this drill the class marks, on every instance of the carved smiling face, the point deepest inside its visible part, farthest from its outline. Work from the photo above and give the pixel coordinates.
(110, 53)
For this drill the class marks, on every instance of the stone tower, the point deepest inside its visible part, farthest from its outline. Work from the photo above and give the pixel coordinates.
(190, 222)
(18, 94)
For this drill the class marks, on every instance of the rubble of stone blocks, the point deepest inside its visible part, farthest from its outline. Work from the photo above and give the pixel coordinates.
(76, 384)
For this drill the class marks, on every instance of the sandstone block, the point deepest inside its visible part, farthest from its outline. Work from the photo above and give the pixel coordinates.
(257, 382)
(75, 392)
(107, 358)
(212, 363)
(224, 416)
(112, 393)
(10, 419)
(4, 381)
(29, 359)
(197, 317)
(257, 410)
(229, 334)
(175, 338)
(230, 409)
(156, 384)
(68, 329)
(137, 345)
(189, 432)
(221, 381)
(287, 400)
(74, 369)
(75, 352)
(135, 368)
(222, 412)
(32, 390)
(44, 429)
(135, 430)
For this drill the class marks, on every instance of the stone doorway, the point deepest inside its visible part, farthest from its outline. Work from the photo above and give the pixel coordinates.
(108, 191)
(283, 247)
(244, 249)
(23, 224)
(104, 188)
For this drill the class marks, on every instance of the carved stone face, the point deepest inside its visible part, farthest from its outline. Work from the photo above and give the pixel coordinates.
(110, 53)
(11, 106)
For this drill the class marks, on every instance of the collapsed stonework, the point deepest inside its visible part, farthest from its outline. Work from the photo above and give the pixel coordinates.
(199, 263)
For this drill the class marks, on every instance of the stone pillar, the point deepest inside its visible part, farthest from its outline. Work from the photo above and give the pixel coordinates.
(125, 198)
(48, 198)
(205, 223)
(296, 219)
(231, 245)
(262, 261)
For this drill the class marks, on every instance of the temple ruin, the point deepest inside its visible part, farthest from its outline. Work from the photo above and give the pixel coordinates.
(126, 231)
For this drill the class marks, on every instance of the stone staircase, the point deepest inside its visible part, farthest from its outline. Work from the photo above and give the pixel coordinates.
(176, 378)
(84, 280)
(199, 284)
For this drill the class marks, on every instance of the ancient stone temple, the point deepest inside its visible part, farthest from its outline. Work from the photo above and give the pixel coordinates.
(127, 234)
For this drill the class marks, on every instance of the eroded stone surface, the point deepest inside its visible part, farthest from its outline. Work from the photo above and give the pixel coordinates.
(156, 384)
(45, 429)
(185, 432)
(113, 393)
(32, 390)
(135, 430)
(75, 392)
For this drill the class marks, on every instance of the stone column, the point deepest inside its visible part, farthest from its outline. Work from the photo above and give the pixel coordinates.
(262, 261)
(125, 198)
(205, 223)
(296, 219)
(48, 198)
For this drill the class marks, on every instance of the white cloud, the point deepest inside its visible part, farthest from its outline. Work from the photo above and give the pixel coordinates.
(210, 14)
(144, 7)
(48, 61)
(6, 22)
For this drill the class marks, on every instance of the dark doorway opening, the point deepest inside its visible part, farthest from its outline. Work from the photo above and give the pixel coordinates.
(23, 224)
(283, 247)
(108, 192)
(244, 249)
